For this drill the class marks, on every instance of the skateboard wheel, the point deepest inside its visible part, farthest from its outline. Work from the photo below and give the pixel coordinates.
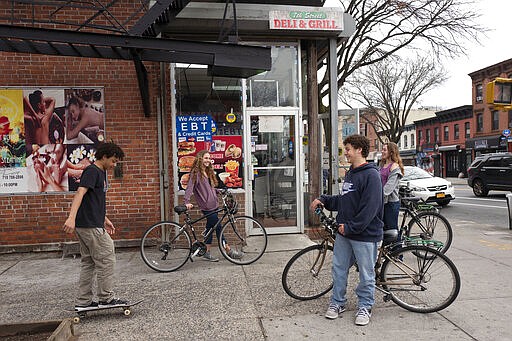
(127, 312)
(76, 319)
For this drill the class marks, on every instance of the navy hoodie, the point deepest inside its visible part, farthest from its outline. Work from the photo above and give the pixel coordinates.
(360, 204)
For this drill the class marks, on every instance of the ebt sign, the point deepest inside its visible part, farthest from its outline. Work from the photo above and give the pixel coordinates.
(319, 19)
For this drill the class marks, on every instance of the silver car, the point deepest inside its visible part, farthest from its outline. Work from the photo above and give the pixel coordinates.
(428, 187)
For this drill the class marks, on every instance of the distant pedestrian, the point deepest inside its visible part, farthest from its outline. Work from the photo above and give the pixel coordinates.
(88, 218)
(391, 172)
(359, 217)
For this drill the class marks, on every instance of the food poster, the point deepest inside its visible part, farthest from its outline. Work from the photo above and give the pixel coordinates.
(226, 153)
(40, 132)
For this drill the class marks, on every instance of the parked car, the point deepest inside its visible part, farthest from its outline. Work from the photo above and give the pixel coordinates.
(490, 172)
(421, 183)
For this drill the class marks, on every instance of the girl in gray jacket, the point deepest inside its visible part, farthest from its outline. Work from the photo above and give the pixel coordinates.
(391, 172)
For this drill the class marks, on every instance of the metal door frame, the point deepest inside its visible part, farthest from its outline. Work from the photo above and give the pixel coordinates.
(299, 164)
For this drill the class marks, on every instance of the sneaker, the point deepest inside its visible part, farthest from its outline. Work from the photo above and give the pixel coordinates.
(113, 303)
(363, 316)
(235, 254)
(92, 305)
(334, 311)
(208, 256)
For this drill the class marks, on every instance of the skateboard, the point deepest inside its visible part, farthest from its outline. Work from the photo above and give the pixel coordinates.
(125, 307)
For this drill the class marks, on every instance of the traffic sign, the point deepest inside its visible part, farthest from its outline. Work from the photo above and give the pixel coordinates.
(506, 132)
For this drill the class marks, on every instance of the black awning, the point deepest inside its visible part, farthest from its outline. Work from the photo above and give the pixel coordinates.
(111, 46)
(137, 44)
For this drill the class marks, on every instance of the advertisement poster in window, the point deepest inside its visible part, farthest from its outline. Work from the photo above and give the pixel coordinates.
(48, 136)
(226, 153)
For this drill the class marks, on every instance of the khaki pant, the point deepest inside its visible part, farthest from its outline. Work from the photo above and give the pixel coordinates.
(97, 257)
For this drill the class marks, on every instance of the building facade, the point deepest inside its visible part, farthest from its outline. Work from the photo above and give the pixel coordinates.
(252, 124)
(488, 120)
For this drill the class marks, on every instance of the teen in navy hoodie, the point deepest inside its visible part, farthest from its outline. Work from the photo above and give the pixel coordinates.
(360, 215)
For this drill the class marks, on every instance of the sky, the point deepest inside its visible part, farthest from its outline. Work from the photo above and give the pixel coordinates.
(495, 46)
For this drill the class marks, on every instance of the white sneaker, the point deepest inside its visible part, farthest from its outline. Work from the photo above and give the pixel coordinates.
(334, 311)
(363, 316)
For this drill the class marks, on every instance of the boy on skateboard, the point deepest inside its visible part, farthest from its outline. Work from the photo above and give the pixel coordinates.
(88, 219)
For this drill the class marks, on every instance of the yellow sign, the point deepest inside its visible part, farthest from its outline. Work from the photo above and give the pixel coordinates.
(230, 117)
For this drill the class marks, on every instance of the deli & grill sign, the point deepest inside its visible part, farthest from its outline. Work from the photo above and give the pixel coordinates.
(318, 19)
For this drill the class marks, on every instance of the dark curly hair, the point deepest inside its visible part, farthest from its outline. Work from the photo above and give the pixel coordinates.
(359, 141)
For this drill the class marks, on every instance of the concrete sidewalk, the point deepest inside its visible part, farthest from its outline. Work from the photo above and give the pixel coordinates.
(222, 301)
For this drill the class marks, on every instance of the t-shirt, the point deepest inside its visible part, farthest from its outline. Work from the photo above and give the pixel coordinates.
(92, 210)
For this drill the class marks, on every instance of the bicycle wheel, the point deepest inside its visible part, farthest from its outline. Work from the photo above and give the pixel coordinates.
(165, 246)
(420, 279)
(250, 247)
(431, 226)
(307, 275)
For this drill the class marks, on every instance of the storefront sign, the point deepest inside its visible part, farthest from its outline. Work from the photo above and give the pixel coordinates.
(197, 127)
(319, 19)
(37, 157)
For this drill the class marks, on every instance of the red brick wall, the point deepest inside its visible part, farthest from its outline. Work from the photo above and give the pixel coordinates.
(484, 76)
(462, 132)
(133, 201)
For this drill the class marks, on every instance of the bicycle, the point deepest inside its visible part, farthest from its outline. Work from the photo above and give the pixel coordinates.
(416, 277)
(425, 222)
(166, 246)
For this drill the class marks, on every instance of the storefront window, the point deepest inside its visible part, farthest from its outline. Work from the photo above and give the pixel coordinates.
(278, 87)
(209, 117)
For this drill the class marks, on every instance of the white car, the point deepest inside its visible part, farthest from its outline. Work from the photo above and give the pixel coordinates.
(430, 188)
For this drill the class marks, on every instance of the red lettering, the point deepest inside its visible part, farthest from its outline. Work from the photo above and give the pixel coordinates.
(277, 23)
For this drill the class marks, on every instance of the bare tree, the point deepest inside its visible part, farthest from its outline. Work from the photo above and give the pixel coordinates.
(390, 88)
(384, 27)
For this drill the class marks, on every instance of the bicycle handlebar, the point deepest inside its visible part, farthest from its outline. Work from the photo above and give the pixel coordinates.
(329, 223)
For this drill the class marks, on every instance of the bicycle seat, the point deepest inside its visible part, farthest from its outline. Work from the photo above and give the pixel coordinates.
(180, 209)
(390, 236)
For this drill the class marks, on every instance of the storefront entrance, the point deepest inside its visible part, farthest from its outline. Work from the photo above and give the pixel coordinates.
(274, 176)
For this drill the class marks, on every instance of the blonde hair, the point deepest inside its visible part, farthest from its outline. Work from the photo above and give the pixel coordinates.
(394, 155)
(198, 169)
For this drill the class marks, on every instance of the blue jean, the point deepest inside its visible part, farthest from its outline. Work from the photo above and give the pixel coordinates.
(346, 252)
(391, 210)
(210, 223)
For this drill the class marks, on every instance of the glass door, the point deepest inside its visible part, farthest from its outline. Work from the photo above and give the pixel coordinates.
(273, 172)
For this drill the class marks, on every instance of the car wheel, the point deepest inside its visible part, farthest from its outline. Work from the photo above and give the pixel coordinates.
(479, 188)
(443, 202)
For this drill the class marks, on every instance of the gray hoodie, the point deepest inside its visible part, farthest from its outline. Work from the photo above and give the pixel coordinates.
(390, 189)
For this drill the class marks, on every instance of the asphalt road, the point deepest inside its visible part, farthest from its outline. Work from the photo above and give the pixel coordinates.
(484, 210)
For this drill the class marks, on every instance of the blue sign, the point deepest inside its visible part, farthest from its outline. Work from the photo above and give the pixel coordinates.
(200, 127)
(506, 132)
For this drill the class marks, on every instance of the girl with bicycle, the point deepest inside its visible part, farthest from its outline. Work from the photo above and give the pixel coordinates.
(202, 183)
(391, 172)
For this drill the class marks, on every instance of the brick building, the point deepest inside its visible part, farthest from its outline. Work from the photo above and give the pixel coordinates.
(250, 122)
(488, 121)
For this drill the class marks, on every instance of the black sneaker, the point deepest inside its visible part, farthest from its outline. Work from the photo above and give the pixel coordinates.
(113, 303)
(91, 306)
